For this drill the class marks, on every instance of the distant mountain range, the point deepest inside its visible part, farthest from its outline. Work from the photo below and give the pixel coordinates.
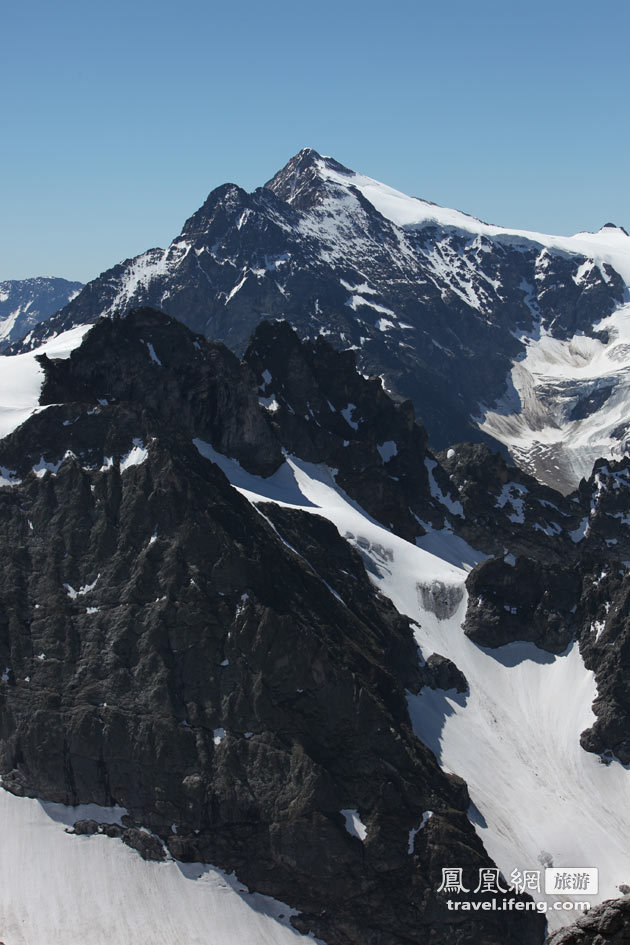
(492, 332)
(24, 303)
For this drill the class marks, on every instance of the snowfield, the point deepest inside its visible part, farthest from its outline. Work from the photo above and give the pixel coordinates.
(59, 889)
(609, 245)
(21, 378)
(537, 798)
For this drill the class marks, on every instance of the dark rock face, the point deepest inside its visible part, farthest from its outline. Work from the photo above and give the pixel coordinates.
(550, 606)
(324, 411)
(606, 924)
(521, 601)
(226, 669)
(24, 303)
(441, 673)
(146, 844)
(191, 384)
(605, 645)
(435, 310)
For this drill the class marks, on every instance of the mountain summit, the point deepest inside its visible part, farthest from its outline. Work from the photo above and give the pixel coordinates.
(488, 330)
(303, 180)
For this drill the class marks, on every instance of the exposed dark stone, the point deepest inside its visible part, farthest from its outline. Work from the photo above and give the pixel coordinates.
(86, 827)
(604, 924)
(526, 600)
(605, 645)
(193, 385)
(148, 846)
(590, 404)
(441, 673)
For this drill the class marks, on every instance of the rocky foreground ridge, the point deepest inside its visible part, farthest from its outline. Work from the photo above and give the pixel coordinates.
(227, 672)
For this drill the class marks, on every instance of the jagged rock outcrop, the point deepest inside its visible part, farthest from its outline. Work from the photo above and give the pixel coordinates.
(522, 600)
(441, 673)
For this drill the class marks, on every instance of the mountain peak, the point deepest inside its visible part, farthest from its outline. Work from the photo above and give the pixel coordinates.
(613, 226)
(301, 180)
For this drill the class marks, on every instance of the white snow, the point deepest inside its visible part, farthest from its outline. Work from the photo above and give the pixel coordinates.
(135, 457)
(144, 269)
(42, 467)
(609, 245)
(453, 505)
(355, 301)
(152, 354)
(21, 378)
(515, 736)
(426, 817)
(8, 477)
(354, 824)
(387, 450)
(347, 415)
(533, 418)
(269, 403)
(580, 532)
(512, 496)
(85, 589)
(60, 888)
(218, 735)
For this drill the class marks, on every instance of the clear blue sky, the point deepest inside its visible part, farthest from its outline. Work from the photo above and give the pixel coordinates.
(117, 119)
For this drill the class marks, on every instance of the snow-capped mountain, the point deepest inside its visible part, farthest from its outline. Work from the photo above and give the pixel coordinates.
(24, 303)
(300, 662)
(492, 332)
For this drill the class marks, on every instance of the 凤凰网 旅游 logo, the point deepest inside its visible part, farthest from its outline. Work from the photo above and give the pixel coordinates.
(523, 892)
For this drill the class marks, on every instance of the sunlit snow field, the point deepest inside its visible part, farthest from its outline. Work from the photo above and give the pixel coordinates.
(60, 889)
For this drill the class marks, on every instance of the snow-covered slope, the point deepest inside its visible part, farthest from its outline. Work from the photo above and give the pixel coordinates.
(610, 244)
(539, 798)
(57, 888)
(21, 377)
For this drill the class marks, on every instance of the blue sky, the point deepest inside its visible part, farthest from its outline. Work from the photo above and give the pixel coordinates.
(118, 119)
